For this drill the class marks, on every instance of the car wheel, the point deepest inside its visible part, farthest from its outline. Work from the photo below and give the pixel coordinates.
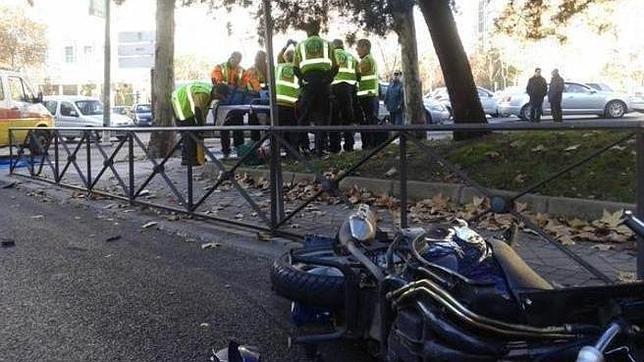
(524, 114)
(70, 139)
(615, 109)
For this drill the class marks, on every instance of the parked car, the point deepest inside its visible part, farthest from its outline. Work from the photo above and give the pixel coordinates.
(435, 112)
(637, 100)
(81, 111)
(141, 114)
(124, 110)
(488, 100)
(20, 107)
(578, 99)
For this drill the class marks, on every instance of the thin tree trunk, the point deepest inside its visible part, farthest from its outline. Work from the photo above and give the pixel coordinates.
(162, 142)
(454, 64)
(406, 30)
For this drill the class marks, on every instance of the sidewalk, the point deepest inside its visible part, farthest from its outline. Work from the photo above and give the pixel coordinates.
(324, 216)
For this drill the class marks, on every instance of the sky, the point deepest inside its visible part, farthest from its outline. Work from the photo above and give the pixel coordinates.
(203, 35)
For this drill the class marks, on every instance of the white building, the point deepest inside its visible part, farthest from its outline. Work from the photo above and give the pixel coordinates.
(75, 53)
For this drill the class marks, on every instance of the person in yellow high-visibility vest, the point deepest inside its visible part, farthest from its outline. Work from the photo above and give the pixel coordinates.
(190, 103)
(287, 91)
(315, 66)
(368, 91)
(344, 92)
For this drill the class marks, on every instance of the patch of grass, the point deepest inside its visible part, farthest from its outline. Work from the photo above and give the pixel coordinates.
(512, 161)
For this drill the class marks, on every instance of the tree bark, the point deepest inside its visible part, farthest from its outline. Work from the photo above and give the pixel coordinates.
(162, 142)
(406, 31)
(457, 72)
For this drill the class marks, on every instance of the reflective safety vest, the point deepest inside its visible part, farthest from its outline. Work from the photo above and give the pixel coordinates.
(187, 98)
(368, 85)
(313, 54)
(287, 88)
(348, 65)
(226, 74)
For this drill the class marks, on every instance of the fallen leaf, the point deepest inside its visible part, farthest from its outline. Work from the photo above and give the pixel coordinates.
(520, 178)
(204, 325)
(539, 148)
(38, 217)
(492, 155)
(392, 171)
(264, 236)
(626, 277)
(210, 245)
(602, 247)
(149, 224)
(571, 148)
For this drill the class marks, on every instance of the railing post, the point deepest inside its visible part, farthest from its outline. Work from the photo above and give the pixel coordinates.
(130, 162)
(89, 161)
(190, 153)
(11, 152)
(402, 138)
(56, 157)
(277, 196)
(640, 201)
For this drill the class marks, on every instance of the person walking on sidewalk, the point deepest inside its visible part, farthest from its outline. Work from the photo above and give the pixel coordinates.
(555, 95)
(536, 89)
(395, 100)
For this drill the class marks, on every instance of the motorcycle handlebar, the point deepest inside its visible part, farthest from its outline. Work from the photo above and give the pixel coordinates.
(634, 223)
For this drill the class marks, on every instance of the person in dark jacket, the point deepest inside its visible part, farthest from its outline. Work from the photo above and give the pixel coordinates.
(394, 100)
(537, 89)
(555, 93)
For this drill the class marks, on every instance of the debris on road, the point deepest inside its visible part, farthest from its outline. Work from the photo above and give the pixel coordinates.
(264, 236)
(10, 185)
(149, 224)
(210, 245)
(204, 325)
(7, 243)
(392, 172)
(38, 217)
(113, 238)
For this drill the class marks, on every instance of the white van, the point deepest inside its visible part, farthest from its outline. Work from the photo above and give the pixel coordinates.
(81, 111)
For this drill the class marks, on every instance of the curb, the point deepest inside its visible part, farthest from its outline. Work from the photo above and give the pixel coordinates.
(462, 194)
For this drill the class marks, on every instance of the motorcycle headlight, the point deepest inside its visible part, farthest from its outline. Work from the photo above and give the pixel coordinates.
(363, 224)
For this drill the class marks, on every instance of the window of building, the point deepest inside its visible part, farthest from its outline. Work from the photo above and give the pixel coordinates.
(88, 50)
(69, 55)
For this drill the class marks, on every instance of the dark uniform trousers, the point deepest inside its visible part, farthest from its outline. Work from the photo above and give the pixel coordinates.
(343, 115)
(369, 106)
(315, 107)
(555, 108)
(232, 119)
(287, 117)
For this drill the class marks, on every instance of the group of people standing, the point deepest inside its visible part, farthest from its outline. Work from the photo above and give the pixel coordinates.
(317, 83)
(537, 90)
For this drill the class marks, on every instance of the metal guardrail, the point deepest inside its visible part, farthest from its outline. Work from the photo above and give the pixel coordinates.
(55, 154)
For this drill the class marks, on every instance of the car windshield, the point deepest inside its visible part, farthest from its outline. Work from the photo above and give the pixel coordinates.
(90, 108)
(143, 108)
(601, 87)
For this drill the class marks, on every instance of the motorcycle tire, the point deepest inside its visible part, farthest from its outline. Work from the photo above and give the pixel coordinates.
(299, 285)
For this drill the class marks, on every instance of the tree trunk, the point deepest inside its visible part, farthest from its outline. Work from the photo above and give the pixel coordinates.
(162, 142)
(406, 31)
(457, 72)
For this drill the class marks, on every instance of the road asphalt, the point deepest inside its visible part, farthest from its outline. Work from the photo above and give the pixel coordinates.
(78, 286)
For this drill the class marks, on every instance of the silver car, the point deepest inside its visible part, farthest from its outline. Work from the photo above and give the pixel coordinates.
(488, 100)
(578, 99)
(435, 112)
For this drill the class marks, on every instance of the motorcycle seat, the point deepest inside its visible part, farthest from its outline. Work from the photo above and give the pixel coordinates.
(519, 276)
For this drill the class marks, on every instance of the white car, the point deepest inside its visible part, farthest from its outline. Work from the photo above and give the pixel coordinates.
(488, 100)
(577, 99)
(81, 111)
